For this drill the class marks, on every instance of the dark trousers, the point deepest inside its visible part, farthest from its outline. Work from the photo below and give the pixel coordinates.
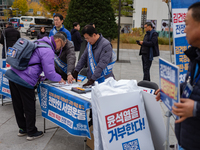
(3, 52)
(146, 63)
(24, 107)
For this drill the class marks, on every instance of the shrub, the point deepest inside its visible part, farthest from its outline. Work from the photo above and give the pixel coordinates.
(137, 34)
(164, 40)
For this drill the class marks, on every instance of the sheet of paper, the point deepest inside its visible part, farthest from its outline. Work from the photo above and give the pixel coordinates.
(69, 86)
(87, 95)
(59, 84)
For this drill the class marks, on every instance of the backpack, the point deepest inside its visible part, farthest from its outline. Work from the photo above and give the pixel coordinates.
(19, 55)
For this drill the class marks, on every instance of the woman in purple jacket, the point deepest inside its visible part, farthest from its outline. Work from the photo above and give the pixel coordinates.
(22, 84)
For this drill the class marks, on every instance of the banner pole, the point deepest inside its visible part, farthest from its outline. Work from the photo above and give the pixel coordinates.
(118, 40)
(168, 115)
(169, 15)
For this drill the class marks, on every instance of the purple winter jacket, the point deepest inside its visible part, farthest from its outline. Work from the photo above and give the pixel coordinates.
(44, 56)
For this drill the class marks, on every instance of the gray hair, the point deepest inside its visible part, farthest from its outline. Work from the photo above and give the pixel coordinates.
(60, 36)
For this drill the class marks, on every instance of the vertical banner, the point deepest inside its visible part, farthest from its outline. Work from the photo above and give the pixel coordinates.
(169, 83)
(65, 110)
(4, 84)
(179, 10)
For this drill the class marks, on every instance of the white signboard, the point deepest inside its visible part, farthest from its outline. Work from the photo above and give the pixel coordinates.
(123, 122)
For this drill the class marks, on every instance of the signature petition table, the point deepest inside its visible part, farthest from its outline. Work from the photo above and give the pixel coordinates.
(59, 104)
(65, 108)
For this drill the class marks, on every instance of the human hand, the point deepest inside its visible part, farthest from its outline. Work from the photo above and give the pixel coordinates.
(157, 93)
(62, 81)
(70, 78)
(75, 75)
(90, 82)
(141, 42)
(184, 109)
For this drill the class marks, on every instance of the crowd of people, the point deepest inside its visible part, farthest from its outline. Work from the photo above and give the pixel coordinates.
(58, 64)
(98, 57)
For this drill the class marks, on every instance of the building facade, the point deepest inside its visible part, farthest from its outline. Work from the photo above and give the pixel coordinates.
(157, 13)
(5, 5)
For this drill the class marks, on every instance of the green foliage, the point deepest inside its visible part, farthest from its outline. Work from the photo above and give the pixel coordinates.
(126, 7)
(99, 12)
(137, 34)
(6, 13)
(130, 38)
(21, 5)
(164, 40)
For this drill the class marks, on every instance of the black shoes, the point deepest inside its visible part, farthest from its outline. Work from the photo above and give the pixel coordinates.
(22, 132)
(36, 135)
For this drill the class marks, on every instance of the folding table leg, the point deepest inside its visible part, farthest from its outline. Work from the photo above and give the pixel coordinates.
(44, 126)
(85, 140)
(2, 100)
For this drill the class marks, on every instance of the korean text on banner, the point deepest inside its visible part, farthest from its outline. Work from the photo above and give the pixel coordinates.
(120, 118)
(4, 84)
(169, 83)
(179, 10)
(65, 110)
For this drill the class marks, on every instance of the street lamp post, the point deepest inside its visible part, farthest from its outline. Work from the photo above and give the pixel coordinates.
(118, 30)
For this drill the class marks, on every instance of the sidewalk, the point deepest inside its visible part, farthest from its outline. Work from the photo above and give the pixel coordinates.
(59, 139)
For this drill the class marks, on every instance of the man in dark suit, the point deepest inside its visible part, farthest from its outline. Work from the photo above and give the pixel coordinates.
(149, 49)
(76, 36)
(11, 36)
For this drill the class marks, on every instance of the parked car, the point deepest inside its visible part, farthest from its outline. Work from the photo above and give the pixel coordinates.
(28, 32)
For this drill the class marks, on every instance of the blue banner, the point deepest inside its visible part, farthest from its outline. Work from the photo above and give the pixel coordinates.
(179, 11)
(65, 110)
(182, 3)
(4, 84)
(169, 83)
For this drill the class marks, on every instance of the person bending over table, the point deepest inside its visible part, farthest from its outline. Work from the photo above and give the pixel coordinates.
(22, 84)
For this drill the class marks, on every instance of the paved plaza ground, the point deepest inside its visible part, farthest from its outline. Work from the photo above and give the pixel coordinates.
(129, 67)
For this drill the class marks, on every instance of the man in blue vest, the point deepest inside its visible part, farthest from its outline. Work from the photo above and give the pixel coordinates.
(65, 59)
(98, 56)
(58, 21)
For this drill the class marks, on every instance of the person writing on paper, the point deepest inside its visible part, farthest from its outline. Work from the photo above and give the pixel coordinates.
(22, 84)
(65, 60)
(98, 56)
(187, 127)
